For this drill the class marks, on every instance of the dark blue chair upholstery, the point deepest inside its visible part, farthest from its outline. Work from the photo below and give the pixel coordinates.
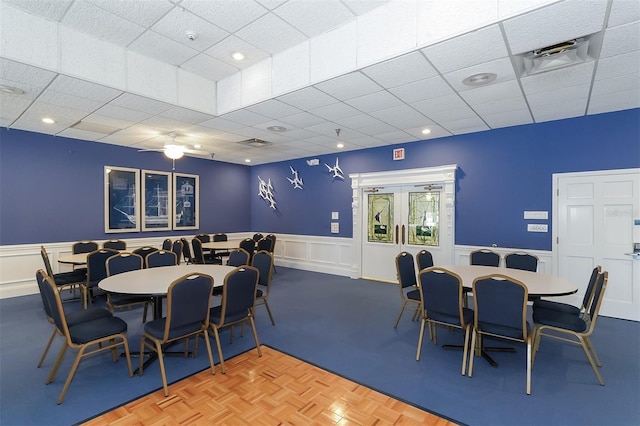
(249, 246)
(115, 245)
(523, 261)
(84, 247)
(73, 318)
(144, 251)
(263, 261)
(199, 256)
(96, 271)
(88, 337)
(166, 244)
(424, 259)
(500, 310)
(264, 245)
(186, 251)
(559, 324)
(220, 236)
(441, 293)
(204, 238)
(238, 301)
(63, 279)
(120, 263)
(273, 238)
(566, 307)
(176, 247)
(188, 300)
(484, 257)
(161, 258)
(238, 257)
(406, 273)
(257, 237)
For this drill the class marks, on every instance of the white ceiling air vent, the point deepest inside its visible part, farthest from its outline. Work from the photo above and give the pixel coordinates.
(559, 55)
(255, 143)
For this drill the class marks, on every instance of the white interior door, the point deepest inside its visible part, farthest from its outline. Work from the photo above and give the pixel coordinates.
(406, 210)
(595, 226)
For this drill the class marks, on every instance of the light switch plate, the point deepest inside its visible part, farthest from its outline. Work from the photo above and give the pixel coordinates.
(537, 227)
(335, 215)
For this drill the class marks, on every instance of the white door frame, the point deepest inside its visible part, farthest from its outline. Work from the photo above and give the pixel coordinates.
(443, 175)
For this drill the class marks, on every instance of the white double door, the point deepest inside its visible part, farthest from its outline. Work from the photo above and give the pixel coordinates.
(596, 221)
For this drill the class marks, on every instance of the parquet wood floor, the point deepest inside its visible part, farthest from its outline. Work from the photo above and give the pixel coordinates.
(276, 389)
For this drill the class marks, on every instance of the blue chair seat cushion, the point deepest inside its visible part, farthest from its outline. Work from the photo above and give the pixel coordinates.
(216, 311)
(84, 315)
(502, 330)
(64, 278)
(96, 329)
(413, 295)
(556, 306)
(559, 319)
(156, 328)
(451, 319)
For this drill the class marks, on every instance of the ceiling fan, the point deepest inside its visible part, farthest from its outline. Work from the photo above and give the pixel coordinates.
(172, 150)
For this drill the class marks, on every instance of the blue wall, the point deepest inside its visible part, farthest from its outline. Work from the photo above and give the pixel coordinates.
(501, 174)
(51, 188)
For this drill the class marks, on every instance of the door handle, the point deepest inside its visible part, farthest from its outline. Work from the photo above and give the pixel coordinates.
(402, 234)
(396, 234)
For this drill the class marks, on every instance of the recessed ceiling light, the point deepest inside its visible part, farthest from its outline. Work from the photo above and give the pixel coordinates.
(11, 90)
(479, 79)
(238, 56)
(248, 160)
(277, 129)
(426, 131)
(48, 120)
(340, 145)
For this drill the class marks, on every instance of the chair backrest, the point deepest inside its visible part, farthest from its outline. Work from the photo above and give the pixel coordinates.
(176, 247)
(441, 292)
(204, 238)
(598, 295)
(238, 293)
(97, 264)
(264, 244)
(257, 237)
(41, 274)
(588, 294)
(123, 262)
(45, 259)
(198, 253)
(424, 259)
(249, 246)
(500, 305)
(523, 261)
(188, 301)
(272, 237)
(186, 250)
(166, 244)
(84, 247)
(484, 257)
(238, 257)
(115, 245)
(263, 261)
(406, 270)
(220, 237)
(161, 258)
(52, 297)
(145, 251)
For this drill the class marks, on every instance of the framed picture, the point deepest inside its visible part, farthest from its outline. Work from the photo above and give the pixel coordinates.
(186, 201)
(121, 199)
(156, 199)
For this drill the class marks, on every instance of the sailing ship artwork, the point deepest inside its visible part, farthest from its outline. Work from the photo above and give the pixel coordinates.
(157, 190)
(186, 201)
(122, 200)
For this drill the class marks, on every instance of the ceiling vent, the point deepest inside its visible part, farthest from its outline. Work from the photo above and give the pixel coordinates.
(557, 56)
(95, 127)
(255, 143)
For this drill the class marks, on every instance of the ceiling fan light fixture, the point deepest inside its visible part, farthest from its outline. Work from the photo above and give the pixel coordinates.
(173, 151)
(479, 79)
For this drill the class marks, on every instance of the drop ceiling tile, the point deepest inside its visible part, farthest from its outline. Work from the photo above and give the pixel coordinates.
(616, 85)
(52, 10)
(140, 103)
(175, 24)
(162, 48)
(90, 19)
(248, 118)
(302, 119)
(500, 106)
(56, 99)
(307, 99)
(615, 101)
(397, 136)
(230, 15)
(119, 113)
(281, 34)
(623, 12)
(424, 89)
(559, 111)
(514, 117)
(335, 111)
(207, 67)
(401, 117)
(465, 125)
(360, 121)
(29, 79)
(360, 7)
(558, 79)
(615, 66)
(144, 13)
(299, 134)
(501, 67)
(327, 14)
(274, 109)
(108, 121)
(81, 134)
(431, 106)
(442, 116)
(11, 108)
(477, 47)
(185, 115)
(349, 86)
(166, 125)
(622, 39)
(222, 51)
(554, 24)
(492, 93)
(83, 89)
(375, 101)
(400, 71)
(564, 94)
(436, 132)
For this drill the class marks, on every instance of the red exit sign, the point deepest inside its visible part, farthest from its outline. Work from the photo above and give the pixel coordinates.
(398, 154)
